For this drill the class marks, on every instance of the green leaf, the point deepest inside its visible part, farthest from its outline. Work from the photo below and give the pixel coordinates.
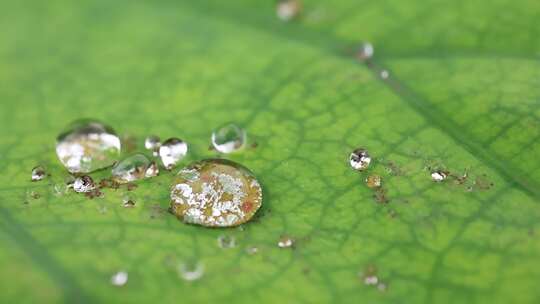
(462, 95)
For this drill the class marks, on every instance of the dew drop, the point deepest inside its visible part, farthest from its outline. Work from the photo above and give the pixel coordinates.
(191, 271)
(128, 201)
(385, 74)
(229, 138)
(131, 168)
(225, 241)
(31, 195)
(360, 159)
(365, 51)
(38, 173)
(373, 181)
(251, 250)
(287, 10)
(152, 142)
(86, 146)
(172, 151)
(439, 176)
(83, 184)
(152, 170)
(119, 279)
(285, 242)
(216, 193)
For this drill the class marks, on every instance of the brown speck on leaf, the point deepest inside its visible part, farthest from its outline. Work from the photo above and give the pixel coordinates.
(380, 196)
(94, 193)
(373, 181)
(254, 145)
(131, 186)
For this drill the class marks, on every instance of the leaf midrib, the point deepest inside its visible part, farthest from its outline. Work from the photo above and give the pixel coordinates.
(336, 48)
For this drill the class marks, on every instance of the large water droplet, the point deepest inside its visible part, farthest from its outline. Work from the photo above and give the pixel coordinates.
(38, 173)
(217, 193)
(191, 271)
(229, 138)
(119, 279)
(360, 159)
(87, 145)
(172, 151)
(287, 10)
(84, 184)
(131, 168)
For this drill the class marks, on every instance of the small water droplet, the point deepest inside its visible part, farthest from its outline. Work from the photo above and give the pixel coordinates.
(373, 181)
(86, 146)
(225, 241)
(152, 170)
(360, 159)
(285, 242)
(385, 74)
(382, 287)
(365, 51)
(152, 142)
(229, 138)
(131, 168)
(287, 10)
(369, 276)
(251, 250)
(172, 151)
(439, 176)
(191, 271)
(83, 184)
(31, 195)
(119, 279)
(38, 173)
(218, 193)
(128, 201)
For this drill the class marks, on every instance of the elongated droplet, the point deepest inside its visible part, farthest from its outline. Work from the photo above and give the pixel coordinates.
(439, 176)
(288, 9)
(360, 159)
(365, 51)
(119, 279)
(86, 146)
(152, 142)
(84, 184)
(38, 173)
(172, 151)
(131, 168)
(229, 138)
(217, 193)
(285, 242)
(191, 271)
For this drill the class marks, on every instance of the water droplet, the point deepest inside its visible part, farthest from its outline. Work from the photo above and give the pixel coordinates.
(83, 184)
(191, 271)
(373, 181)
(287, 10)
(31, 195)
(382, 287)
(252, 250)
(285, 242)
(172, 151)
(131, 168)
(222, 193)
(385, 74)
(152, 170)
(38, 173)
(119, 279)
(365, 51)
(152, 142)
(229, 138)
(371, 280)
(86, 146)
(439, 176)
(360, 159)
(369, 276)
(225, 241)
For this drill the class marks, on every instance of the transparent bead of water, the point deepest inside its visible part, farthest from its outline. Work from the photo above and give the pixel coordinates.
(439, 176)
(215, 193)
(152, 170)
(119, 279)
(191, 271)
(128, 201)
(365, 51)
(84, 184)
(131, 168)
(229, 138)
(287, 10)
(360, 159)
(226, 241)
(38, 173)
(152, 142)
(172, 151)
(87, 145)
(285, 242)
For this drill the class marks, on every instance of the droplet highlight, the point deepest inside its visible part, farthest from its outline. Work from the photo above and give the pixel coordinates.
(84, 184)
(285, 242)
(365, 51)
(131, 168)
(439, 176)
(191, 271)
(360, 159)
(229, 138)
(172, 151)
(287, 10)
(38, 173)
(152, 143)
(87, 146)
(215, 193)
(119, 279)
